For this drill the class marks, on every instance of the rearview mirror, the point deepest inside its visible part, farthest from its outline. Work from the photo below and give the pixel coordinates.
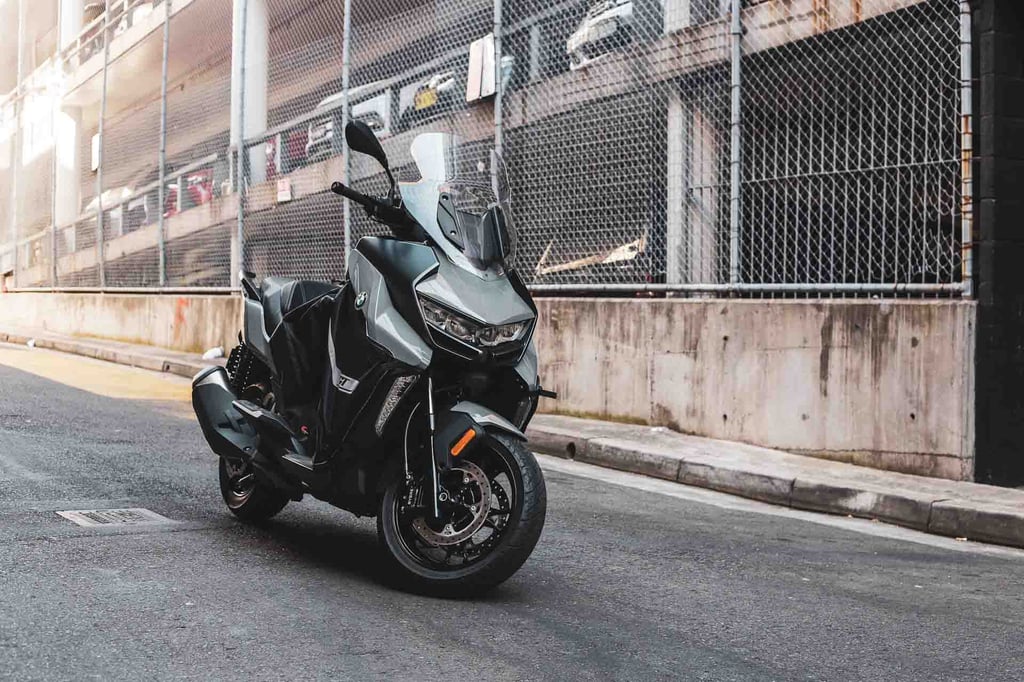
(361, 139)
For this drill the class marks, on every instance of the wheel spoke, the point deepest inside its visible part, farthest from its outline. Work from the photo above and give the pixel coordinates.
(485, 483)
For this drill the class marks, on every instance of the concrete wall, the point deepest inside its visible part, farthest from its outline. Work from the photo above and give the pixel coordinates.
(185, 323)
(888, 385)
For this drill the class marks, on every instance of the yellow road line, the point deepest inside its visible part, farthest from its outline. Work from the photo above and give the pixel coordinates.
(96, 376)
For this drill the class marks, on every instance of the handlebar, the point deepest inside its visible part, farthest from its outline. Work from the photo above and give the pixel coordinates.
(381, 209)
(348, 193)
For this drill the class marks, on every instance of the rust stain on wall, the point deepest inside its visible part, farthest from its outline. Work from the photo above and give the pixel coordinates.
(825, 354)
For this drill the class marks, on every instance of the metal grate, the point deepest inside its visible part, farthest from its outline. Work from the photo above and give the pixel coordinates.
(136, 516)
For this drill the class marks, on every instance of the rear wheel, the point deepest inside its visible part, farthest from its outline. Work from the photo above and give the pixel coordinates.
(245, 495)
(492, 514)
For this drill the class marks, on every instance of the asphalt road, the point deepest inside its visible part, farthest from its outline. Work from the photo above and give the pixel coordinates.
(633, 578)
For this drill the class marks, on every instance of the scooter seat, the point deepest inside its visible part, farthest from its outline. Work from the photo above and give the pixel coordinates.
(282, 295)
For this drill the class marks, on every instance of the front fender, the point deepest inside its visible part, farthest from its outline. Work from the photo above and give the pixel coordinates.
(488, 419)
(451, 425)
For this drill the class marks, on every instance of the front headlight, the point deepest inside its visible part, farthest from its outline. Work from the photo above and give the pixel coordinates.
(468, 331)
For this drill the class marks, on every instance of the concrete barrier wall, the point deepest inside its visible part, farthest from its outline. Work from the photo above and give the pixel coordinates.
(185, 323)
(888, 385)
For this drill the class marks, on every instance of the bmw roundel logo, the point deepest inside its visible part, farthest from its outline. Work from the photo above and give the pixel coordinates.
(361, 299)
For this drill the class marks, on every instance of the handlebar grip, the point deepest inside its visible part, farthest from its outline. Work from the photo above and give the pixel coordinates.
(375, 208)
(347, 192)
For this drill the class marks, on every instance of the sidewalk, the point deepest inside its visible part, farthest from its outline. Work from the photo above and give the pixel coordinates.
(957, 509)
(146, 357)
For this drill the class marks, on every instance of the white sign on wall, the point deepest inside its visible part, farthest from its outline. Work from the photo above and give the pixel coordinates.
(284, 190)
(480, 78)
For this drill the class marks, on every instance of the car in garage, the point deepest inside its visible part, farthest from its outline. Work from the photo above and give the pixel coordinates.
(369, 103)
(428, 97)
(607, 26)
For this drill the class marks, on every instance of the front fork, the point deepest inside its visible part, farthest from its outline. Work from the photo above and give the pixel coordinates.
(432, 458)
(435, 483)
(451, 435)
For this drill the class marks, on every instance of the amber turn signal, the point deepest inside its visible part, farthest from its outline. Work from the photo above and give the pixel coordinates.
(461, 444)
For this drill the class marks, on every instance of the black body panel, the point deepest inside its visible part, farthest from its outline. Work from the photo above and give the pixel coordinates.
(402, 265)
(282, 296)
(296, 315)
(361, 366)
(226, 430)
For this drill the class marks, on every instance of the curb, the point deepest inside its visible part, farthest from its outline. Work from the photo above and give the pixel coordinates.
(923, 510)
(98, 351)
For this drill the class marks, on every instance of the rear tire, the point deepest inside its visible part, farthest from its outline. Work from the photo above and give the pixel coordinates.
(251, 501)
(519, 534)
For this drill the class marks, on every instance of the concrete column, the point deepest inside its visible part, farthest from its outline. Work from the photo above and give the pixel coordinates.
(692, 194)
(675, 258)
(70, 21)
(249, 63)
(998, 37)
(677, 15)
(703, 196)
(68, 165)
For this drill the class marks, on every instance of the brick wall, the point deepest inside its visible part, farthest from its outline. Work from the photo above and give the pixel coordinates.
(999, 236)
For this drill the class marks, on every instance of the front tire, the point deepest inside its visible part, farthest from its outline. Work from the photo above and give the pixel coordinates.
(245, 495)
(516, 500)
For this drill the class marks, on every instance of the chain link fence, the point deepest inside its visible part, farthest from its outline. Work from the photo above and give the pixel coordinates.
(762, 147)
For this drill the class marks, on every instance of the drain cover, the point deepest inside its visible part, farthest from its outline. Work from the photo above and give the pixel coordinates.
(114, 517)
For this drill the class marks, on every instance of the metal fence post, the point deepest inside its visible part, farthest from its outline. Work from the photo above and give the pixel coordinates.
(161, 192)
(18, 141)
(499, 133)
(53, 199)
(100, 255)
(735, 158)
(966, 151)
(240, 150)
(346, 52)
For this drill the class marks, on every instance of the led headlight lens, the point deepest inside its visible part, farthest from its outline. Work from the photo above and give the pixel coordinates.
(468, 331)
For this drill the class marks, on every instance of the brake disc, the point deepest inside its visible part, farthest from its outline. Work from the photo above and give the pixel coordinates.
(472, 477)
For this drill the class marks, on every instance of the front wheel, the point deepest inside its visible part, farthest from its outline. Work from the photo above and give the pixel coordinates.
(491, 518)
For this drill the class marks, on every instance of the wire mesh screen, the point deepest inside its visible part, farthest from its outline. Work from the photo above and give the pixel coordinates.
(806, 146)
(298, 230)
(199, 203)
(130, 166)
(851, 146)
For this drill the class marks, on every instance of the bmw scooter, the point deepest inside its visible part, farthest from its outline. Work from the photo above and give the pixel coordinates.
(404, 392)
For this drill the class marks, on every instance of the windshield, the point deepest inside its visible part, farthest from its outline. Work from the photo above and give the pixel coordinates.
(461, 190)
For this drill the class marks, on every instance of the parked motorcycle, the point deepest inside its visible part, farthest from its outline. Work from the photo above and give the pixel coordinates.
(404, 392)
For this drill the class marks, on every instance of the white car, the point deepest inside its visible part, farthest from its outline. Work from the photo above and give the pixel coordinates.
(370, 104)
(607, 26)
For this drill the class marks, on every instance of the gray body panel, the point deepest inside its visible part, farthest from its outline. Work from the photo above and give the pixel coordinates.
(255, 333)
(385, 326)
(486, 417)
(492, 301)
(528, 366)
